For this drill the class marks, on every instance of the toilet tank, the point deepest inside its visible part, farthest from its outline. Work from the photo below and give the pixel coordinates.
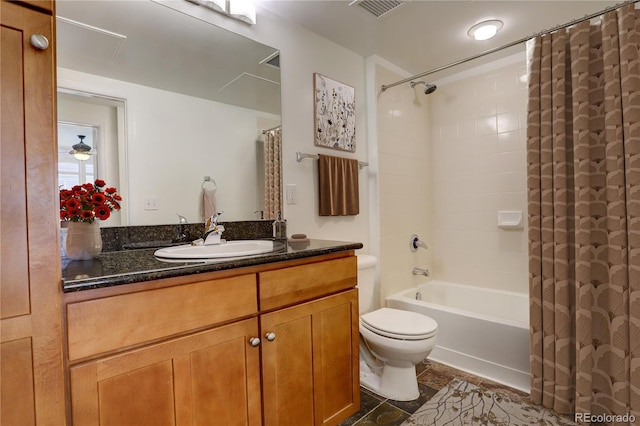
(366, 281)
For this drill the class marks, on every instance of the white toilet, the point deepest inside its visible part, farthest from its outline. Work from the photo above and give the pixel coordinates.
(392, 341)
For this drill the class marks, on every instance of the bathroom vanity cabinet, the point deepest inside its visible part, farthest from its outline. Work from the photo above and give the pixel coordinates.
(273, 344)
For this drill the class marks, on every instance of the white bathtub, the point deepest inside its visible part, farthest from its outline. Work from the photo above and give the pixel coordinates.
(482, 331)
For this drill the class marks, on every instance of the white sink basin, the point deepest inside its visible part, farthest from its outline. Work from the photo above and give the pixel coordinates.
(228, 249)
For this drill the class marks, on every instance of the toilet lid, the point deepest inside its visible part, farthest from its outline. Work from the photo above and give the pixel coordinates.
(400, 324)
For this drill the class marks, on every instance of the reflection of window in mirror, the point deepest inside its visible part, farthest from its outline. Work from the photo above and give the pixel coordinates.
(71, 170)
(101, 121)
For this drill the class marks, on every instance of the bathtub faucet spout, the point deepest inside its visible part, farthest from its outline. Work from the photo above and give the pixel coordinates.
(419, 271)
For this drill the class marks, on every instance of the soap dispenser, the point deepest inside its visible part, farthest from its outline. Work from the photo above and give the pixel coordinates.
(280, 227)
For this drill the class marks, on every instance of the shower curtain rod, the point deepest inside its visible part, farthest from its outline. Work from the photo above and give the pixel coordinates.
(506, 46)
(277, 127)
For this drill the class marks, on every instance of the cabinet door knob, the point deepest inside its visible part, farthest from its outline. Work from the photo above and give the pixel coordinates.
(39, 41)
(270, 336)
(254, 341)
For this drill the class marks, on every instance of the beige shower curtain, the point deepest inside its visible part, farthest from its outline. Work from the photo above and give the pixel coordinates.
(272, 173)
(584, 216)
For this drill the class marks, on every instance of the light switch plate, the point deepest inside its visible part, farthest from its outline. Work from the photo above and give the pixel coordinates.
(151, 203)
(290, 189)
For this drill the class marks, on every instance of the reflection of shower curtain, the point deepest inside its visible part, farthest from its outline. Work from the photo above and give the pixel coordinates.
(272, 173)
(584, 216)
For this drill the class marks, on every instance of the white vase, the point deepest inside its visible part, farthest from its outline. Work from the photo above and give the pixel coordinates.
(84, 241)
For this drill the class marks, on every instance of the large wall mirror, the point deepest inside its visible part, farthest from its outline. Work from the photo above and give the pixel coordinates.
(165, 100)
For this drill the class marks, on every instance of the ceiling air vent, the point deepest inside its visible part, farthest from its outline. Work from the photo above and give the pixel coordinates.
(379, 7)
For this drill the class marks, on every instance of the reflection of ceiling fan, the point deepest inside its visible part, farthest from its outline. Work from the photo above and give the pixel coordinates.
(81, 150)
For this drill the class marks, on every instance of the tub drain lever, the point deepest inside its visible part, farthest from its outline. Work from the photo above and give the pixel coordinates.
(415, 242)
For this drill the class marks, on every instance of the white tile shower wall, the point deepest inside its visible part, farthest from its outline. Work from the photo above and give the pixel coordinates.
(404, 190)
(478, 135)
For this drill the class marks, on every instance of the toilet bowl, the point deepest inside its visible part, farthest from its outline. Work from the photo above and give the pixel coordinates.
(392, 341)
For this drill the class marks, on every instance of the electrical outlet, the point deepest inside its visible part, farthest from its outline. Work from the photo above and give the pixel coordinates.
(151, 203)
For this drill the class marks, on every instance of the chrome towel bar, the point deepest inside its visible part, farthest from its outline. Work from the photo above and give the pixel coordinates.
(302, 155)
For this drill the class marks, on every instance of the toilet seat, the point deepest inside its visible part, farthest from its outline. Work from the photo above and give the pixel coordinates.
(398, 324)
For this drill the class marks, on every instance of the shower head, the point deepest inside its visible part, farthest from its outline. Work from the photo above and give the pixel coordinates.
(428, 88)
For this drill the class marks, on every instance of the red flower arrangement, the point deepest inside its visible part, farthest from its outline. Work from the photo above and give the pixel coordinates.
(86, 202)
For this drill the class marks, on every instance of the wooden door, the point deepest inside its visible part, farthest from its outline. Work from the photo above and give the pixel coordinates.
(311, 368)
(30, 321)
(208, 378)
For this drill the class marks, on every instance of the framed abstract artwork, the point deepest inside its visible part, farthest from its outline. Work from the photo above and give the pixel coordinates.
(335, 114)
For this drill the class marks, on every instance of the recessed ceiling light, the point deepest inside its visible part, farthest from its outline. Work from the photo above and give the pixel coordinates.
(485, 30)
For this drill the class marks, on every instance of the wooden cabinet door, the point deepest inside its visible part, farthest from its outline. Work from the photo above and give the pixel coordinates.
(311, 368)
(30, 320)
(287, 367)
(208, 378)
(336, 339)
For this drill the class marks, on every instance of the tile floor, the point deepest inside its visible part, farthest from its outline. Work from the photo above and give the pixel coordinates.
(432, 376)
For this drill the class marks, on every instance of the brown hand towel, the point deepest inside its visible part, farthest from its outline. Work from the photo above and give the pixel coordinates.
(338, 178)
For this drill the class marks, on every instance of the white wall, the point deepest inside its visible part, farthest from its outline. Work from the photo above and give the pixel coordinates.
(168, 162)
(478, 132)
(302, 54)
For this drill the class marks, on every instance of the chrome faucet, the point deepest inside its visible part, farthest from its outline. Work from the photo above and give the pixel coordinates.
(419, 271)
(181, 228)
(181, 218)
(212, 232)
(211, 224)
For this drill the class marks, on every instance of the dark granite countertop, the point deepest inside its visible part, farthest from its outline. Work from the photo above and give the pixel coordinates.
(131, 266)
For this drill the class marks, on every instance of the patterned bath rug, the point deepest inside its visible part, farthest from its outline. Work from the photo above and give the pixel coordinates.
(461, 404)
